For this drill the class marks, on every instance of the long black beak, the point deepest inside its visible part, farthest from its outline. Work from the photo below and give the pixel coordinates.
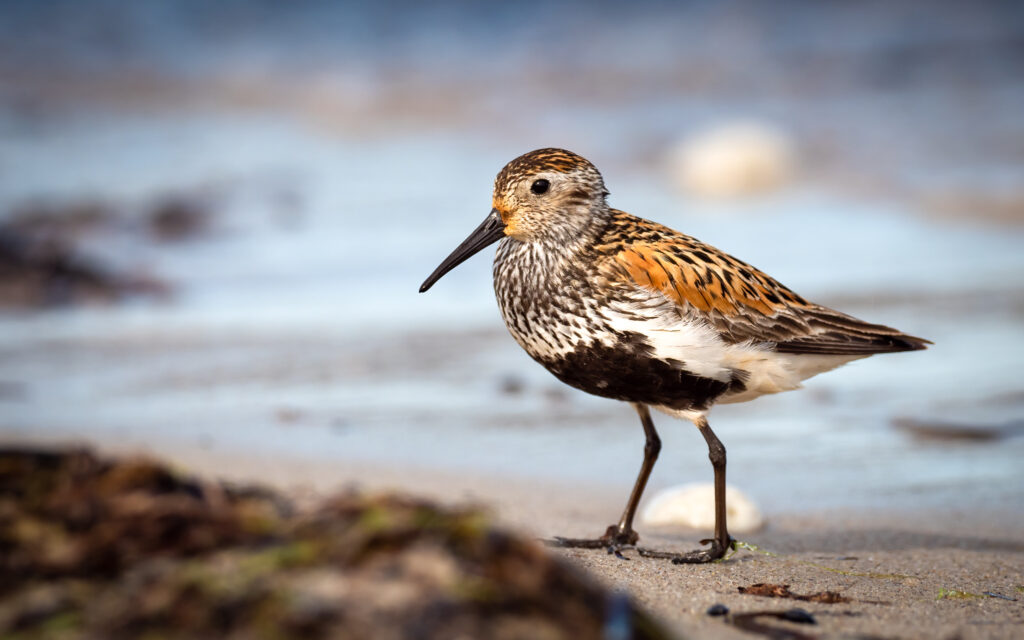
(490, 231)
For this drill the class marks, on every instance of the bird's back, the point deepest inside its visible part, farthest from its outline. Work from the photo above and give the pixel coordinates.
(740, 302)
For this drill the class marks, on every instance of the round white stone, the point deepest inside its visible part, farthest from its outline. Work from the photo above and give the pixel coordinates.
(693, 505)
(732, 160)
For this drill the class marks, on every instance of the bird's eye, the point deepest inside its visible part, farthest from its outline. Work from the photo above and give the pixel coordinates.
(540, 186)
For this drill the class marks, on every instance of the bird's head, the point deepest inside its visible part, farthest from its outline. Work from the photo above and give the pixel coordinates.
(547, 195)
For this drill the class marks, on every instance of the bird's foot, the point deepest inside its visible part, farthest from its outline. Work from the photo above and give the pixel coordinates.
(614, 540)
(699, 556)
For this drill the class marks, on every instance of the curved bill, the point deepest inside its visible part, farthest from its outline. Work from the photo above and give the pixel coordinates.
(490, 231)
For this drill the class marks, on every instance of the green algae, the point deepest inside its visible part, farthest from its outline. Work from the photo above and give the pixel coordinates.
(956, 594)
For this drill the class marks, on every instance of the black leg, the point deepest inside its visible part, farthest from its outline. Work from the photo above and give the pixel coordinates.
(722, 541)
(716, 452)
(652, 447)
(622, 534)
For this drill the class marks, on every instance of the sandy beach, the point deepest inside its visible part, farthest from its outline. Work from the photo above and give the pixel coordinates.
(900, 574)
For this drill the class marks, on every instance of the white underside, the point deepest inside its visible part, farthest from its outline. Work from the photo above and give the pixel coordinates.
(772, 372)
(702, 352)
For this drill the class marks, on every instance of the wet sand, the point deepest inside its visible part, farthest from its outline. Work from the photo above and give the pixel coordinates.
(926, 574)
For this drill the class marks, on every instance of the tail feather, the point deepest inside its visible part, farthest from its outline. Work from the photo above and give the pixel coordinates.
(836, 333)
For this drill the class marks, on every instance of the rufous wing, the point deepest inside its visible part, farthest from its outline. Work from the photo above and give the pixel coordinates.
(739, 301)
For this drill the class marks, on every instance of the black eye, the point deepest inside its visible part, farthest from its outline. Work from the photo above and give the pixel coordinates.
(540, 186)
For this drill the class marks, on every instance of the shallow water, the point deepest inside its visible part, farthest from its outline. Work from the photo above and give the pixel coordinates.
(296, 326)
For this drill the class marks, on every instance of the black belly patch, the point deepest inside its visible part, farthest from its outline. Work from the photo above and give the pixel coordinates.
(628, 372)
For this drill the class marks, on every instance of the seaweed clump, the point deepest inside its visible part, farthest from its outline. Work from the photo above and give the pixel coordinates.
(100, 548)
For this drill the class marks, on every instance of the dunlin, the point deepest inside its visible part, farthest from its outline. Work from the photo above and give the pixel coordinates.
(628, 309)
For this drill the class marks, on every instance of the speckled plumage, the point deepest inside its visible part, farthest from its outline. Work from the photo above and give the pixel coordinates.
(628, 309)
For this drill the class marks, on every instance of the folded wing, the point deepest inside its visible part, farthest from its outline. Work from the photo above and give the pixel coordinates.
(740, 302)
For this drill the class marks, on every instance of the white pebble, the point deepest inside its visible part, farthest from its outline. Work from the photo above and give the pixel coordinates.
(737, 159)
(693, 505)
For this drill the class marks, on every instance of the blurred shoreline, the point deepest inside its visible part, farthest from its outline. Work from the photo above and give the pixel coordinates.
(912, 101)
(542, 507)
(215, 218)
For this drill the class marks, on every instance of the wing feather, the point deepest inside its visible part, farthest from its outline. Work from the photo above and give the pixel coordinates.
(740, 302)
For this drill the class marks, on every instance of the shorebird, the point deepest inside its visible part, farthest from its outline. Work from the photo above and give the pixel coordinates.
(628, 309)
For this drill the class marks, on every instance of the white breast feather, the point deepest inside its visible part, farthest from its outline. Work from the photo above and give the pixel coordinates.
(672, 337)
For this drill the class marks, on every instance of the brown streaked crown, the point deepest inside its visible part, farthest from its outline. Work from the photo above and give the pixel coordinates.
(540, 160)
(575, 198)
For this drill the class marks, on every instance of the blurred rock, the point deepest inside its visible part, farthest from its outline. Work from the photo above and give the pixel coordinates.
(733, 160)
(176, 218)
(951, 432)
(44, 270)
(93, 548)
(289, 415)
(511, 385)
(1001, 206)
(43, 263)
(693, 505)
(68, 221)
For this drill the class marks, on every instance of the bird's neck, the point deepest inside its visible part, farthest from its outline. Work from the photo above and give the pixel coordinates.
(578, 228)
(550, 255)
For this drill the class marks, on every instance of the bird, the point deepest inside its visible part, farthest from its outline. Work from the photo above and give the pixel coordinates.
(629, 309)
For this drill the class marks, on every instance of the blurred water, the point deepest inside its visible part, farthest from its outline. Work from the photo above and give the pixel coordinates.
(296, 327)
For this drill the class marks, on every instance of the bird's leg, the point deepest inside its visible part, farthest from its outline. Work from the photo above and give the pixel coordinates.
(623, 531)
(622, 534)
(722, 540)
